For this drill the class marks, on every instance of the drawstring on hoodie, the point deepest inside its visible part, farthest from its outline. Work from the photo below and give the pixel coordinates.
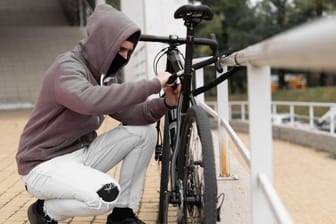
(102, 77)
(107, 80)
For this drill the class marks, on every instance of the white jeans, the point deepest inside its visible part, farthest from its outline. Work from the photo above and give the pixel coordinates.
(69, 183)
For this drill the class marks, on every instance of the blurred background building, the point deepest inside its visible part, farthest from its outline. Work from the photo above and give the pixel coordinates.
(34, 32)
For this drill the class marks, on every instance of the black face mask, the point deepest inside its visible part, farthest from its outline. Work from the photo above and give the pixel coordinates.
(117, 63)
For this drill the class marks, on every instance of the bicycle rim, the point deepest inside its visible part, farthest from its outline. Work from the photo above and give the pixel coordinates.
(199, 174)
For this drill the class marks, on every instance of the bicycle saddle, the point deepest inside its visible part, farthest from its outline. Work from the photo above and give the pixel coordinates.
(190, 12)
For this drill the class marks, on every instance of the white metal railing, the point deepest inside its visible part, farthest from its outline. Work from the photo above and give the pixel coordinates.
(275, 204)
(235, 138)
(311, 46)
(325, 121)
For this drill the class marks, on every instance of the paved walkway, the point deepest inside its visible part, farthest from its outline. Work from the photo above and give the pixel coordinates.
(14, 200)
(304, 178)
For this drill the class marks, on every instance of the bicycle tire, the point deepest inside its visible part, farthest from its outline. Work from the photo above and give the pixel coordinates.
(198, 169)
(164, 200)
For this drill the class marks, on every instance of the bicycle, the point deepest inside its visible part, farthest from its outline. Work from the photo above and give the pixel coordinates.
(188, 175)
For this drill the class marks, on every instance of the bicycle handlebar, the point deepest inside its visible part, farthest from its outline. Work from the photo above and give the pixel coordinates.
(174, 39)
(212, 43)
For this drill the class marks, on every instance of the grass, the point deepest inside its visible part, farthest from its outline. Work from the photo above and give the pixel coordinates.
(316, 94)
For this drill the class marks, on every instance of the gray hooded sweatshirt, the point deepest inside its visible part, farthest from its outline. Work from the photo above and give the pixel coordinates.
(71, 103)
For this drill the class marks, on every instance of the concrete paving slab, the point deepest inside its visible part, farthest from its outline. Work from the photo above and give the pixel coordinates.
(14, 200)
(303, 178)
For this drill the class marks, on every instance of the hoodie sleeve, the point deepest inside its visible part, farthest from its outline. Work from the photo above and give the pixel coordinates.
(74, 91)
(142, 114)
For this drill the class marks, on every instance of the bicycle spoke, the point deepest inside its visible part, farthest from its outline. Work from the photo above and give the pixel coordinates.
(195, 177)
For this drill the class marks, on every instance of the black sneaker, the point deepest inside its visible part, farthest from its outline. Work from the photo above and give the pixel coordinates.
(129, 220)
(36, 214)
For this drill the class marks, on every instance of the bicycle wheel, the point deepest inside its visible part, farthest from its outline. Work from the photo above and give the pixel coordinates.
(164, 197)
(198, 170)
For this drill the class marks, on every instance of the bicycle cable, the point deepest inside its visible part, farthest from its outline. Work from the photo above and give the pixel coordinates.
(159, 142)
(156, 61)
(157, 58)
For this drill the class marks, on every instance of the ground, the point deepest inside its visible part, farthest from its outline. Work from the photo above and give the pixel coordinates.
(304, 178)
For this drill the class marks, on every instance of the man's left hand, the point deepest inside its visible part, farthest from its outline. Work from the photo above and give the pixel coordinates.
(172, 94)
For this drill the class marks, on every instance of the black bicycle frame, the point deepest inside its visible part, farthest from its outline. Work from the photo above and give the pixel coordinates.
(189, 52)
(174, 65)
(190, 41)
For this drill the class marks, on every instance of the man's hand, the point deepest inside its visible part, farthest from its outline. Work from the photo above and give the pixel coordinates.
(163, 78)
(172, 90)
(172, 94)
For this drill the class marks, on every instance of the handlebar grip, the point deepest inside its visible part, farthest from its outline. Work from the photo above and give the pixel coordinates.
(172, 79)
(218, 65)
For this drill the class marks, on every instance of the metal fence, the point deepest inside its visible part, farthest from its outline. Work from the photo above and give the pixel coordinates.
(308, 115)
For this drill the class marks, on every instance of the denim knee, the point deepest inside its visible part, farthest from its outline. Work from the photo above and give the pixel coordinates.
(147, 133)
(151, 132)
(150, 137)
(108, 195)
(109, 192)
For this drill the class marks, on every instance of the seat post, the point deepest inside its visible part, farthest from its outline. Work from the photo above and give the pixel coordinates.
(192, 16)
(189, 53)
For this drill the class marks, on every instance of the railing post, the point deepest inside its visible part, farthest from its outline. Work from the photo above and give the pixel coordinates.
(291, 112)
(332, 121)
(223, 114)
(311, 116)
(199, 81)
(260, 131)
(274, 108)
(243, 112)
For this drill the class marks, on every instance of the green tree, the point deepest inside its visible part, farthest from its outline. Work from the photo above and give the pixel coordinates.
(238, 24)
(114, 3)
(276, 16)
(305, 10)
(234, 25)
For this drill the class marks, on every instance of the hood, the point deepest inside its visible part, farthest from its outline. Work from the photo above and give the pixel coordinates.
(107, 28)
